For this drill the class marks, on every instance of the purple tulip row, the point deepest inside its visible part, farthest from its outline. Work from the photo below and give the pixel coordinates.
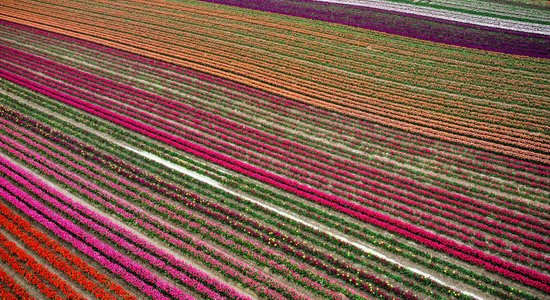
(489, 262)
(442, 229)
(419, 27)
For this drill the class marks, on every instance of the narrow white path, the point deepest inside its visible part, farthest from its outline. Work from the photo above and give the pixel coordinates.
(216, 184)
(449, 15)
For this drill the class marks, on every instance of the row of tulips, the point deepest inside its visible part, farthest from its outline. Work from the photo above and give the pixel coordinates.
(10, 289)
(36, 274)
(151, 204)
(163, 288)
(55, 260)
(451, 32)
(314, 73)
(430, 261)
(93, 280)
(381, 109)
(191, 18)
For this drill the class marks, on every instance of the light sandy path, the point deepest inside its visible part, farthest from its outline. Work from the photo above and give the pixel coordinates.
(449, 15)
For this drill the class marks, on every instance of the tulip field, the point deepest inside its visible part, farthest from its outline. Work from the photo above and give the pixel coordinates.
(220, 149)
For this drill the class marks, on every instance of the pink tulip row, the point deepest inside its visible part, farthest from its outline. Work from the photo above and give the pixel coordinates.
(230, 292)
(489, 262)
(196, 273)
(124, 205)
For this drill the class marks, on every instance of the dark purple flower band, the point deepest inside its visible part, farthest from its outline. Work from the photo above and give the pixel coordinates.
(420, 27)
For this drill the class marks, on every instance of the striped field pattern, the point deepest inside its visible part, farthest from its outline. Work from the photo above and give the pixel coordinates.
(274, 149)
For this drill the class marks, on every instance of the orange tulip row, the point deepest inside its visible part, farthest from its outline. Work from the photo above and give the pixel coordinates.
(495, 62)
(367, 58)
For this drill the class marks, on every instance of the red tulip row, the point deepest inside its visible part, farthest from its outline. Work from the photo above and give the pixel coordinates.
(53, 258)
(61, 257)
(274, 149)
(221, 261)
(127, 205)
(11, 289)
(51, 285)
(149, 253)
(73, 234)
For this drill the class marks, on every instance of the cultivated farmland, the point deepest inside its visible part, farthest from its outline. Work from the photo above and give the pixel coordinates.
(274, 149)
